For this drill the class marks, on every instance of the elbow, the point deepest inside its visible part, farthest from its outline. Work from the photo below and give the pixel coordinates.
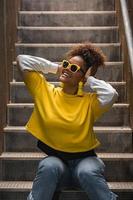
(113, 96)
(20, 58)
(109, 98)
(22, 62)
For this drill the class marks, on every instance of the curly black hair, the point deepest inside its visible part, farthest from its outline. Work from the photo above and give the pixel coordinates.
(92, 55)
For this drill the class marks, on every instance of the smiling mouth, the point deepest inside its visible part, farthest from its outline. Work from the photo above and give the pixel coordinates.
(66, 75)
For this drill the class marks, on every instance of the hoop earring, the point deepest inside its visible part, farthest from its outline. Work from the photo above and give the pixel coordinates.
(80, 89)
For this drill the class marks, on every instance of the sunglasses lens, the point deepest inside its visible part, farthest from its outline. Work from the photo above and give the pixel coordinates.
(65, 64)
(73, 68)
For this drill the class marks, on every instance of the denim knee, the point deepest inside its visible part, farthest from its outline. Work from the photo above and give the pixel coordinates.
(89, 169)
(89, 174)
(52, 165)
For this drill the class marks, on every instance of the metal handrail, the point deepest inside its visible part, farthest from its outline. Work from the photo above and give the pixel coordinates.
(128, 31)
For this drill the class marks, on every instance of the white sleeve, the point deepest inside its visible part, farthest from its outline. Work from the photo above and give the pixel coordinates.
(32, 63)
(107, 95)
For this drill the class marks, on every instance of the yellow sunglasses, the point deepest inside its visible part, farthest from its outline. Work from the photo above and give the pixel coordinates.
(72, 67)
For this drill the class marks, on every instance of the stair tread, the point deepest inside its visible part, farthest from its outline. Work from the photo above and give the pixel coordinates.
(67, 28)
(68, 12)
(110, 82)
(96, 129)
(114, 63)
(31, 105)
(26, 185)
(39, 155)
(106, 63)
(13, 185)
(22, 83)
(64, 44)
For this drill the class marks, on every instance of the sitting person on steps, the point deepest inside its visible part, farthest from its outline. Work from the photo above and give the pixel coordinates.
(63, 120)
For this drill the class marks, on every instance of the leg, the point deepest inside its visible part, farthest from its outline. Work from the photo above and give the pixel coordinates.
(50, 171)
(89, 173)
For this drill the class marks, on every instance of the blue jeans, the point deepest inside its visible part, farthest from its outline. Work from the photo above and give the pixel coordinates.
(85, 173)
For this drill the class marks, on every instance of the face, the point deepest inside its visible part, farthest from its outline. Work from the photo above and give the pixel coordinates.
(70, 78)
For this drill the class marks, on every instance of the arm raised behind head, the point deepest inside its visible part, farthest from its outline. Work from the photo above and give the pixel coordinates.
(33, 63)
(107, 95)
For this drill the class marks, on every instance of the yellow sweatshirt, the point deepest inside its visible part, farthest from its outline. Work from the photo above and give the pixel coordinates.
(62, 121)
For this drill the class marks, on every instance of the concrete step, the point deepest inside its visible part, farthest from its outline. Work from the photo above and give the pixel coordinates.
(112, 139)
(56, 52)
(68, 34)
(70, 5)
(19, 92)
(19, 113)
(67, 18)
(118, 165)
(113, 71)
(18, 190)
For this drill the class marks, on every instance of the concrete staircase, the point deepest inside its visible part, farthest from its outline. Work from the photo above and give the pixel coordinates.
(48, 29)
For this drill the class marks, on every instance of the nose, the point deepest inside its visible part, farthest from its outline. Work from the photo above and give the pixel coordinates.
(66, 70)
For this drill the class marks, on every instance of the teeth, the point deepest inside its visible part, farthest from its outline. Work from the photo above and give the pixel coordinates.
(66, 74)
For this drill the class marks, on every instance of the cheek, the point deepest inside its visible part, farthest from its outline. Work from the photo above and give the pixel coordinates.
(77, 78)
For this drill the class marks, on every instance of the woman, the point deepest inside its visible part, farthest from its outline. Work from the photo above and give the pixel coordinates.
(63, 119)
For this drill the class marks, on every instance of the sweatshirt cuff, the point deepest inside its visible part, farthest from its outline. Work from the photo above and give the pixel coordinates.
(91, 80)
(53, 68)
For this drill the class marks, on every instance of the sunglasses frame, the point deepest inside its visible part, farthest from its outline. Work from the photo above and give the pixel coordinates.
(69, 67)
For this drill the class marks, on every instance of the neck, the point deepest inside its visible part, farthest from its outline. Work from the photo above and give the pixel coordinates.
(70, 89)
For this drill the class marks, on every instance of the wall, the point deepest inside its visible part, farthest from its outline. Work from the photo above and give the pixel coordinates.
(130, 8)
(8, 16)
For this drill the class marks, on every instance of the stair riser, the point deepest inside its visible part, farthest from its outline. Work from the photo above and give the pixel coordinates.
(115, 117)
(63, 19)
(57, 53)
(67, 36)
(107, 73)
(19, 93)
(115, 142)
(10, 195)
(19, 144)
(110, 142)
(116, 170)
(110, 73)
(64, 196)
(67, 5)
(70, 196)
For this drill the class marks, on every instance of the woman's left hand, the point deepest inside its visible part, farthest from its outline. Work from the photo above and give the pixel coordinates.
(91, 71)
